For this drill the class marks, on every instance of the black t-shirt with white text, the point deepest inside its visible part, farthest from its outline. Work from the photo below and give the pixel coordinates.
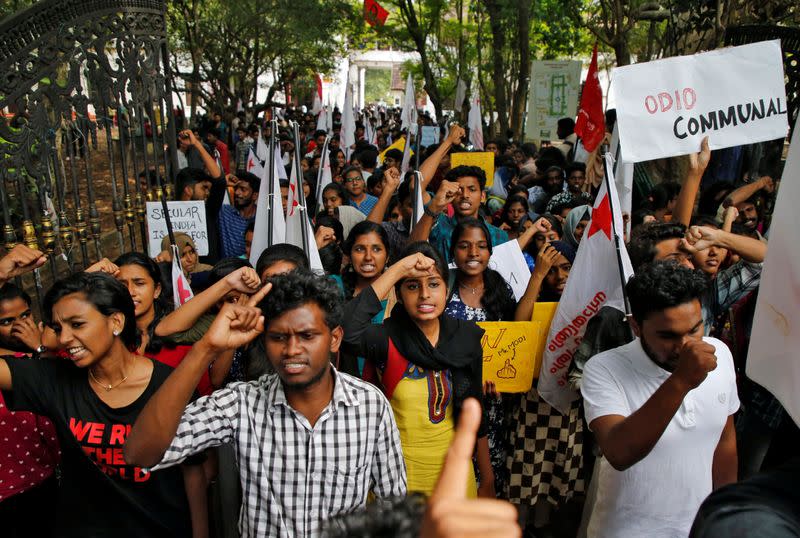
(99, 495)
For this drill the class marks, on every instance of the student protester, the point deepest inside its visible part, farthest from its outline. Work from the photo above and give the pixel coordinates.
(661, 406)
(397, 230)
(392, 159)
(29, 452)
(375, 184)
(234, 219)
(463, 187)
(203, 184)
(283, 425)
(354, 184)
(546, 465)
(196, 273)
(336, 203)
(216, 140)
(329, 237)
(575, 224)
(514, 216)
(421, 355)
(92, 397)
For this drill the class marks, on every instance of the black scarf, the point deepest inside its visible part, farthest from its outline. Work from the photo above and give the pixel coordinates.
(458, 350)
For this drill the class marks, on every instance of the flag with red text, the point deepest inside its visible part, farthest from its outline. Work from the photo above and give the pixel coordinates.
(594, 282)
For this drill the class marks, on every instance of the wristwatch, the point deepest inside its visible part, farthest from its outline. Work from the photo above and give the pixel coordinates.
(38, 351)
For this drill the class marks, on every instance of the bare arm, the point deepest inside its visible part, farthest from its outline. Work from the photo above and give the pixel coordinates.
(445, 195)
(697, 166)
(724, 469)
(244, 280)
(627, 440)
(208, 161)
(702, 237)
(220, 368)
(156, 425)
(391, 182)
(431, 164)
(744, 192)
(5, 375)
(544, 261)
(412, 266)
(18, 261)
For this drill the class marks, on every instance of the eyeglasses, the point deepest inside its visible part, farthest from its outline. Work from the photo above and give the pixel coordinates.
(353, 179)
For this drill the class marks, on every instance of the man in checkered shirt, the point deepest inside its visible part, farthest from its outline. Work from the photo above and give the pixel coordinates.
(310, 442)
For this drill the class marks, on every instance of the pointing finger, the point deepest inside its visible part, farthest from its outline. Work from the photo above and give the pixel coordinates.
(258, 296)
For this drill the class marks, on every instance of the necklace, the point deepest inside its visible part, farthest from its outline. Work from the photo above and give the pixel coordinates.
(473, 290)
(110, 387)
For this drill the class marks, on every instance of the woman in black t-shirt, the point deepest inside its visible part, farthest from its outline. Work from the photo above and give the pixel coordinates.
(93, 402)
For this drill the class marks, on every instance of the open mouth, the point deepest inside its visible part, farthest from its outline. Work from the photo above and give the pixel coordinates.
(367, 268)
(426, 308)
(77, 353)
(294, 367)
(473, 264)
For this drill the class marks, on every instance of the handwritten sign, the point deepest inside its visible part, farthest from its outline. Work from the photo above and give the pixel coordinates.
(509, 352)
(430, 135)
(543, 313)
(481, 159)
(507, 259)
(186, 217)
(734, 96)
(553, 95)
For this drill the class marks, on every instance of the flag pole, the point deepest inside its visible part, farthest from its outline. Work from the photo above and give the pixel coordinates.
(271, 176)
(415, 216)
(299, 191)
(322, 158)
(617, 246)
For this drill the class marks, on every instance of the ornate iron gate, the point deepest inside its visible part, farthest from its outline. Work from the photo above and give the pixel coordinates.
(79, 77)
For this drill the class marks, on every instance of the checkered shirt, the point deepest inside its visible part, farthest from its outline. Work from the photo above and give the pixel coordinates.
(294, 476)
(727, 289)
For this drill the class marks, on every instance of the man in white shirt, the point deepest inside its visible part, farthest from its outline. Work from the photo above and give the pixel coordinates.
(661, 409)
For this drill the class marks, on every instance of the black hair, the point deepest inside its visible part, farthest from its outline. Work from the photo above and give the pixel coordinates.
(528, 149)
(394, 153)
(517, 189)
(404, 192)
(566, 123)
(575, 167)
(214, 131)
(300, 287)
(511, 200)
(704, 220)
(11, 291)
(427, 250)
(350, 168)
(188, 177)
(550, 156)
(105, 292)
(395, 517)
(663, 193)
(284, 184)
(161, 306)
(661, 285)
(498, 303)
(368, 157)
(323, 219)
(467, 171)
(638, 216)
(223, 268)
(393, 204)
(249, 178)
(339, 190)
(281, 252)
(555, 226)
(374, 179)
(349, 275)
(642, 247)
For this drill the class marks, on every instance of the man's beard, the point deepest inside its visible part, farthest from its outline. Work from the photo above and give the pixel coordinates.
(305, 384)
(241, 205)
(668, 366)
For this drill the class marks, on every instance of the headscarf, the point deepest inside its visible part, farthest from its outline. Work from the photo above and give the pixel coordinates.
(582, 212)
(565, 249)
(181, 240)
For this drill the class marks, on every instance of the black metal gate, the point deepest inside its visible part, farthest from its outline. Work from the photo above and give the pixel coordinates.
(80, 77)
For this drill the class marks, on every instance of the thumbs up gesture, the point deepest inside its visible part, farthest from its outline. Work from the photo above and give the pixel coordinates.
(449, 512)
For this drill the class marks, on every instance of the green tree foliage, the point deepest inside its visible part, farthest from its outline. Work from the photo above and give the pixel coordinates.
(222, 47)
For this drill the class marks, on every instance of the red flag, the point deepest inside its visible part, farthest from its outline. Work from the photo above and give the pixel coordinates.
(591, 124)
(374, 14)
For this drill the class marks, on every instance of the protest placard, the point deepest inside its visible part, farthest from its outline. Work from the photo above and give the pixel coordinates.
(429, 136)
(186, 217)
(543, 313)
(397, 144)
(509, 351)
(481, 159)
(735, 96)
(553, 95)
(507, 259)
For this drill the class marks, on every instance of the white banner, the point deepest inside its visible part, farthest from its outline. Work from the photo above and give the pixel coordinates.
(735, 96)
(553, 95)
(775, 338)
(186, 217)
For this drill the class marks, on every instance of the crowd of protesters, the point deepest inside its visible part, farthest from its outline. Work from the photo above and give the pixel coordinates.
(283, 402)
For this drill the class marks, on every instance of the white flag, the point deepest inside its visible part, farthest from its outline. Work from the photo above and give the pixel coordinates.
(419, 204)
(347, 135)
(324, 175)
(461, 94)
(322, 120)
(775, 338)
(409, 113)
(297, 220)
(260, 237)
(594, 282)
(181, 291)
(316, 107)
(475, 123)
(405, 164)
(261, 146)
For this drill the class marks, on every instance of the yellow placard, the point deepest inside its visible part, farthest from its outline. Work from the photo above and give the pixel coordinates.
(399, 144)
(509, 353)
(542, 313)
(481, 159)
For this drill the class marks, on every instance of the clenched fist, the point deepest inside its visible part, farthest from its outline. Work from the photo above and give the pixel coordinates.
(696, 359)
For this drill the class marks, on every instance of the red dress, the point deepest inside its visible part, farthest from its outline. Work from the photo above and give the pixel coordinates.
(173, 356)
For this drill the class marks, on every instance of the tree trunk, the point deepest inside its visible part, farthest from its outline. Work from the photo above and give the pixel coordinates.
(493, 9)
(524, 48)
